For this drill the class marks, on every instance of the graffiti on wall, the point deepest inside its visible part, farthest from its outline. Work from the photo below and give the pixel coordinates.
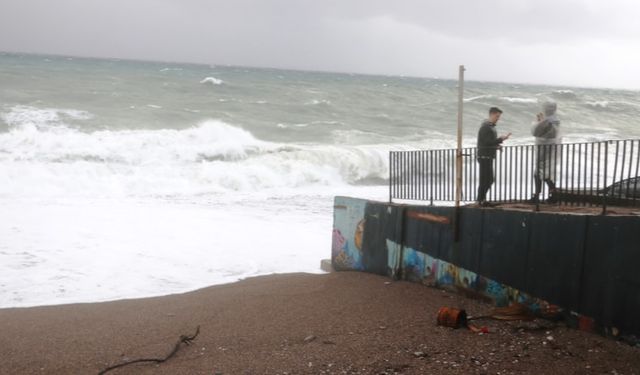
(348, 230)
(425, 269)
(410, 264)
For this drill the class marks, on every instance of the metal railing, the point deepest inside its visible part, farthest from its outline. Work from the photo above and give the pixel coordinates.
(595, 173)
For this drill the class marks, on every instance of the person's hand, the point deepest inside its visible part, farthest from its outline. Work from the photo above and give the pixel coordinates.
(540, 116)
(505, 137)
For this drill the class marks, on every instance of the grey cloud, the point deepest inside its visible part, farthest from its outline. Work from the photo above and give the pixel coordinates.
(521, 40)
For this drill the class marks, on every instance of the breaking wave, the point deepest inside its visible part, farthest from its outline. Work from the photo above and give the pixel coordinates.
(519, 100)
(212, 81)
(212, 157)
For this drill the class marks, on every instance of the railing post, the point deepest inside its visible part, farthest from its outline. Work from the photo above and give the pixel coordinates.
(390, 178)
(458, 192)
(606, 167)
(459, 143)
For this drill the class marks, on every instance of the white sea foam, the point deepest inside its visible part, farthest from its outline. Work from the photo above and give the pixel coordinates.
(212, 81)
(318, 102)
(120, 214)
(210, 158)
(170, 69)
(41, 118)
(601, 104)
(519, 100)
(474, 98)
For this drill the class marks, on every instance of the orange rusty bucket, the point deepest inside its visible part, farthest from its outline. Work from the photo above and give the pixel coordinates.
(450, 317)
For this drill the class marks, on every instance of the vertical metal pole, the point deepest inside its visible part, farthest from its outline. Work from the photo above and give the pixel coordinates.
(459, 145)
(390, 177)
(592, 169)
(635, 181)
(432, 190)
(414, 162)
(615, 166)
(630, 167)
(513, 173)
(598, 170)
(403, 185)
(624, 157)
(527, 177)
(567, 171)
(606, 167)
(579, 169)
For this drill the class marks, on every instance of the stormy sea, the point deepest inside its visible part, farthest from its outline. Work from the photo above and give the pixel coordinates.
(123, 179)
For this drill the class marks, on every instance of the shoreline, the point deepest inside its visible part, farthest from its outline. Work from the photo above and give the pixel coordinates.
(342, 322)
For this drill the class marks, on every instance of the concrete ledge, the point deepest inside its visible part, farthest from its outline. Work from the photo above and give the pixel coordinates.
(326, 266)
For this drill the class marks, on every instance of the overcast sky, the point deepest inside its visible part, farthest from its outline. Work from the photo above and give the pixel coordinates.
(563, 42)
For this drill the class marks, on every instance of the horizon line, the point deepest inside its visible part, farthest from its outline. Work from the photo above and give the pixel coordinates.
(322, 71)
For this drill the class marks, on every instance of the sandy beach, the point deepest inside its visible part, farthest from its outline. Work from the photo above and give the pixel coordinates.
(337, 323)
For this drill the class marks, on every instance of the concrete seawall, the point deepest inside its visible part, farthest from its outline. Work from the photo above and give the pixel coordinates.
(587, 265)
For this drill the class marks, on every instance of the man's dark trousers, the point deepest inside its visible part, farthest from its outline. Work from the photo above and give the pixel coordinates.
(486, 177)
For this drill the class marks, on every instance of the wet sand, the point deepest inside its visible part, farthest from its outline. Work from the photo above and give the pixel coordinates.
(338, 323)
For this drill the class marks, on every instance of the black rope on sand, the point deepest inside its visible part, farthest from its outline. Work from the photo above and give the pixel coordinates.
(182, 340)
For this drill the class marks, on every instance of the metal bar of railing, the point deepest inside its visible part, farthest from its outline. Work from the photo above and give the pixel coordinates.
(414, 193)
(615, 165)
(527, 175)
(599, 159)
(626, 194)
(510, 194)
(591, 176)
(443, 176)
(438, 163)
(636, 181)
(606, 167)
(579, 167)
(452, 169)
(624, 158)
(410, 175)
(498, 184)
(390, 178)
(420, 176)
(405, 158)
(431, 173)
(452, 172)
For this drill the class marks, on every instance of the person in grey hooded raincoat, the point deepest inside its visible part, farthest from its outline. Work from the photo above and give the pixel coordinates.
(547, 133)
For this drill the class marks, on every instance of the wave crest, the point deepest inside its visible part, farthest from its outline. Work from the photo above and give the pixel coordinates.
(212, 81)
(41, 118)
(209, 158)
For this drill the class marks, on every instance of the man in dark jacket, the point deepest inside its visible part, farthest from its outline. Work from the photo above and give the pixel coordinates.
(488, 143)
